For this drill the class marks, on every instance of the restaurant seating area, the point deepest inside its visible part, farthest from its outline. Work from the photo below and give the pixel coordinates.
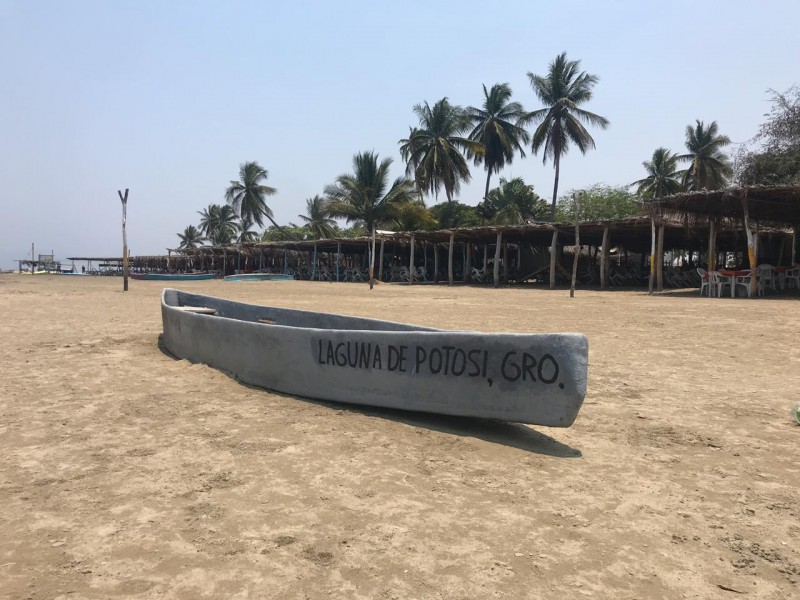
(738, 282)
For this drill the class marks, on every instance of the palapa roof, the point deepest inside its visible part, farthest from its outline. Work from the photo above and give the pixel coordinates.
(778, 205)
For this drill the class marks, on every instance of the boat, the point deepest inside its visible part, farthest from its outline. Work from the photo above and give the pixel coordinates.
(172, 276)
(527, 378)
(259, 277)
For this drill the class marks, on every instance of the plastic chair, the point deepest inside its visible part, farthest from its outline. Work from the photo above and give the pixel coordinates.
(792, 276)
(717, 281)
(766, 278)
(705, 281)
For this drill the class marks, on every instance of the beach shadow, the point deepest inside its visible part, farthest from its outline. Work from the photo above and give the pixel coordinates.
(513, 435)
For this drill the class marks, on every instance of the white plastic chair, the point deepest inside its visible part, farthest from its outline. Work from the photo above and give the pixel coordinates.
(744, 281)
(705, 281)
(792, 277)
(717, 282)
(766, 278)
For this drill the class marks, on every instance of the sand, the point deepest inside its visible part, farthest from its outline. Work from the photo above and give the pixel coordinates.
(127, 473)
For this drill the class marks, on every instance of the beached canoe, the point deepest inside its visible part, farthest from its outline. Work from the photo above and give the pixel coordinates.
(259, 277)
(528, 378)
(172, 276)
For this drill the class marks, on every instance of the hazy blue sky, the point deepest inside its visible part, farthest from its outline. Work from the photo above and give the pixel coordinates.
(167, 98)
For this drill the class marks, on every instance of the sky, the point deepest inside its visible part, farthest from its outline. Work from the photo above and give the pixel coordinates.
(169, 98)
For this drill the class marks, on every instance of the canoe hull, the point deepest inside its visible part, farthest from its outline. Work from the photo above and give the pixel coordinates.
(173, 277)
(529, 378)
(259, 277)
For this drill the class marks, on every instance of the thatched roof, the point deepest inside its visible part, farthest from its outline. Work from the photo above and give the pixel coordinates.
(778, 205)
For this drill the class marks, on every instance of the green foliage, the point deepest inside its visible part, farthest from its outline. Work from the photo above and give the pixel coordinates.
(455, 214)
(219, 224)
(663, 176)
(499, 127)
(248, 195)
(285, 233)
(365, 197)
(413, 216)
(598, 203)
(709, 168)
(562, 91)
(777, 160)
(318, 218)
(190, 238)
(513, 203)
(246, 234)
(433, 152)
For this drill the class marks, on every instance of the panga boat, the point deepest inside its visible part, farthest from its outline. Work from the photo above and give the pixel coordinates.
(527, 378)
(172, 276)
(259, 277)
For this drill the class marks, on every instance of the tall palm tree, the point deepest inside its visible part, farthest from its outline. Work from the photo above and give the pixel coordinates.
(499, 127)
(364, 196)
(433, 152)
(190, 238)
(562, 91)
(245, 233)
(709, 168)
(248, 195)
(515, 203)
(662, 175)
(219, 224)
(318, 218)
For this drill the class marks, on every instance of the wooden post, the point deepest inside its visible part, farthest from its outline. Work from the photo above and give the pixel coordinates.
(467, 262)
(435, 262)
(577, 246)
(411, 270)
(124, 199)
(314, 264)
(553, 258)
(372, 260)
(652, 254)
(505, 262)
(757, 242)
(485, 259)
(450, 259)
(380, 262)
(338, 258)
(751, 253)
(497, 258)
(712, 245)
(604, 258)
(660, 258)
(794, 246)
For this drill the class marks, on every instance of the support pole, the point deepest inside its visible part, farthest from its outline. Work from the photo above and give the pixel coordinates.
(450, 259)
(497, 258)
(338, 258)
(660, 258)
(553, 258)
(314, 264)
(751, 253)
(604, 259)
(411, 270)
(485, 259)
(125, 265)
(380, 262)
(467, 262)
(794, 246)
(505, 262)
(651, 283)
(577, 245)
(712, 246)
(435, 262)
(372, 260)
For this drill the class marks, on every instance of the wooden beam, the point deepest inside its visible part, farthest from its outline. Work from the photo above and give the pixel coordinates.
(338, 258)
(411, 270)
(497, 258)
(604, 257)
(712, 246)
(467, 262)
(505, 262)
(380, 262)
(435, 262)
(652, 254)
(751, 253)
(660, 258)
(577, 245)
(450, 259)
(553, 256)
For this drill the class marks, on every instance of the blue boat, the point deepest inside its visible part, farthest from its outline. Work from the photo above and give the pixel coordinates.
(259, 277)
(172, 276)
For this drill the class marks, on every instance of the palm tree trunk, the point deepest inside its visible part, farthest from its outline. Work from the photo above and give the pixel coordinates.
(488, 177)
(555, 188)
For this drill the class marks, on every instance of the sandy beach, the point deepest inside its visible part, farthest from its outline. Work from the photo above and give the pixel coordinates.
(125, 473)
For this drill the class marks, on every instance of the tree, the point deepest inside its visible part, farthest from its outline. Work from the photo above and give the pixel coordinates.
(248, 195)
(513, 203)
(562, 91)
(777, 160)
(219, 224)
(433, 152)
(190, 238)
(365, 196)
(499, 127)
(662, 175)
(709, 168)
(318, 219)
(599, 202)
(245, 233)
(292, 231)
(455, 214)
(414, 216)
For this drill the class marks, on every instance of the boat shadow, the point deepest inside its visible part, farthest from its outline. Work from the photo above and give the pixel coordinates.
(514, 435)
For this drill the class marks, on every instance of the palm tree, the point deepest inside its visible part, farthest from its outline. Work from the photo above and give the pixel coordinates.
(662, 175)
(318, 219)
(219, 224)
(248, 195)
(562, 91)
(499, 128)
(515, 203)
(434, 150)
(245, 233)
(709, 168)
(362, 197)
(414, 216)
(190, 238)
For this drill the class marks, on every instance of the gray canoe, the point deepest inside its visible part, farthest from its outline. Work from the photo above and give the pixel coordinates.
(527, 378)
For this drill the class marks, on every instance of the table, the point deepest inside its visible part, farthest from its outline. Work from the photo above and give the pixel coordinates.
(732, 275)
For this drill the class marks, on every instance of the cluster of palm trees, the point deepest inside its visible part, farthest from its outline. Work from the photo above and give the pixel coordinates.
(436, 153)
(707, 166)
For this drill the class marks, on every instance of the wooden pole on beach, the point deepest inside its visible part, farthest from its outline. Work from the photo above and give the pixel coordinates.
(496, 272)
(411, 269)
(604, 259)
(450, 259)
(751, 253)
(380, 262)
(553, 258)
(577, 245)
(652, 254)
(660, 258)
(124, 199)
(794, 246)
(435, 263)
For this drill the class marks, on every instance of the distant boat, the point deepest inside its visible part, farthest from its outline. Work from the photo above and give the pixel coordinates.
(527, 378)
(260, 277)
(172, 276)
